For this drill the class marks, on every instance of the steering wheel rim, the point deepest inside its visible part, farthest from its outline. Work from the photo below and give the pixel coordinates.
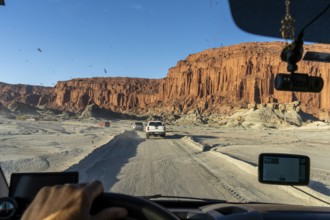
(137, 207)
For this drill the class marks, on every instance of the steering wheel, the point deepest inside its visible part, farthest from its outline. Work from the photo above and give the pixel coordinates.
(137, 208)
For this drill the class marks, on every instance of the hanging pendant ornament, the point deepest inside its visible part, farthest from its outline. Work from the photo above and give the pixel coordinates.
(287, 28)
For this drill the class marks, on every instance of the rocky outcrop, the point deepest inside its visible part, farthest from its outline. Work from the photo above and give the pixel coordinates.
(23, 109)
(237, 75)
(116, 94)
(4, 110)
(213, 81)
(30, 95)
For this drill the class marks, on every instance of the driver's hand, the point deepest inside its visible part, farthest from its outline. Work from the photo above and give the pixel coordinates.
(70, 202)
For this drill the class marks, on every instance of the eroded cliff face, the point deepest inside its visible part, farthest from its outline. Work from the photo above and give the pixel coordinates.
(212, 81)
(117, 94)
(237, 75)
(31, 95)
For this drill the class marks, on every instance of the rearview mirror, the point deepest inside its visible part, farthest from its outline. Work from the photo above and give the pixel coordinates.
(298, 82)
(284, 169)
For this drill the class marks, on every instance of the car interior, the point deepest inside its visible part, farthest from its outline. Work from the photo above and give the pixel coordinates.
(312, 19)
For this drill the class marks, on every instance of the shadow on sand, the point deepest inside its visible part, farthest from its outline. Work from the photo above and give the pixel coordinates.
(174, 136)
(320, 187)
(106, 162)
(194, 137)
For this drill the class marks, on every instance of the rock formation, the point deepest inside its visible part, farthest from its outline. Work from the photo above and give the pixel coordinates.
(31, 95)
(238, 75)
(213, 81)
(116, 94)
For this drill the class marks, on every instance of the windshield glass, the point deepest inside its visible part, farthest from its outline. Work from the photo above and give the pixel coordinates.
(77, 75)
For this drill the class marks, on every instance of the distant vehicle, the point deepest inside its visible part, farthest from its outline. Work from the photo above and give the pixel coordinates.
(138, 126)
(155, 128)
(104, 124)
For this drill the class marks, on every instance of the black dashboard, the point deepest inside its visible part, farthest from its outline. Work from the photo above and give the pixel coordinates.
(235, 211)
(23, 188)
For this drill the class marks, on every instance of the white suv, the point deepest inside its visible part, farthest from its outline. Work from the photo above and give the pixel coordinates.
(155, 128)
(138, 126)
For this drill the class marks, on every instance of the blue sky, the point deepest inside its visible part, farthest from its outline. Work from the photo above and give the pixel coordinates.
(107, 38)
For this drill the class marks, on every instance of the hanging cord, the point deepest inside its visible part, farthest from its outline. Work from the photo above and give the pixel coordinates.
(293, 52)
(314, 19)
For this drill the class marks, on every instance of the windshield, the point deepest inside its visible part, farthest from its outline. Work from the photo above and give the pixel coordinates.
(77, 75)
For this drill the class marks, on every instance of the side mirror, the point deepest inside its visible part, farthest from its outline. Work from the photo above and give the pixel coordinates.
(283, 169)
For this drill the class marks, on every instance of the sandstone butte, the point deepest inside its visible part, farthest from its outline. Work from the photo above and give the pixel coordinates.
(213, 81)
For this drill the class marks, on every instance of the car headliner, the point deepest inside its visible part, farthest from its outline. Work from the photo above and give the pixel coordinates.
(264, 17)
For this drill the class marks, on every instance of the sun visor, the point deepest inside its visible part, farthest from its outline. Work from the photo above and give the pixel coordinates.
(264, 17)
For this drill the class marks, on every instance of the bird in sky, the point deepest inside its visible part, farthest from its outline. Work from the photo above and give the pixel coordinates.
(39, 50)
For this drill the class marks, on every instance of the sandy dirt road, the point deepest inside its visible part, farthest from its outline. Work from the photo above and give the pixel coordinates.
(247, 144)
(133, 165)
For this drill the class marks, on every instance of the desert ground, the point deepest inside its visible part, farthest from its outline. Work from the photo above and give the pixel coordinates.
(178, 165)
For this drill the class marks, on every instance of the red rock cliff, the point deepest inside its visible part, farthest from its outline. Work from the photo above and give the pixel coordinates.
(237, 75)
(117, 94)
(32, 95)
(209, 81)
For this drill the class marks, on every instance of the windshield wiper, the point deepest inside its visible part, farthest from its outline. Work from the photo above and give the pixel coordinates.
(159, 196)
